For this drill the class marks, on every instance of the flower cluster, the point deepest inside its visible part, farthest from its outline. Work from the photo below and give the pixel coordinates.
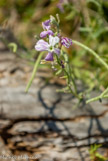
(51, 41)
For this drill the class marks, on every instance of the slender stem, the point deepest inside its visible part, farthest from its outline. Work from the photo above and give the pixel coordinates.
(92, 52)
(34, 71)
(104, 92)
(101, 61)
(66, 74)
(96, 98)
(70, 72)
(68, 79)
(72, 79)
(102, 95)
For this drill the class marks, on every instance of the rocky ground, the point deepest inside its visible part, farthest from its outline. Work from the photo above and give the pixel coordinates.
(42, 123)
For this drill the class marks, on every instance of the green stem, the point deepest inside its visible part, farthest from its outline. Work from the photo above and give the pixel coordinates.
(96, 98)
(104, 92)
(70, 72)
(34, 71)
(68, 79)
(92, 52)
(102, 95)
(101, 61)
(72, 79)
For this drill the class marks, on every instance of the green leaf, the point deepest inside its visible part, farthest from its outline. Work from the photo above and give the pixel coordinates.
(100, 157)
(71, 15)
(95, 2)
(85, 29)
(92, 52)
(13, 46)
(58, 72)
(34, 71)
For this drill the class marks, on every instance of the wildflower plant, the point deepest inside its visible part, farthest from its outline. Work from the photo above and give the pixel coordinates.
(95, 155)
(52, 43)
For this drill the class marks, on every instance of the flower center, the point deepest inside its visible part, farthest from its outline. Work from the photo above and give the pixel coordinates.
(51, 48)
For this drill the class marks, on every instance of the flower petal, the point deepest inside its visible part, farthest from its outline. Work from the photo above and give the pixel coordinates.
(57, 51)
(53, 40)
(50, 32)
(46, 25)
(49, 57)
(41, 45)
(43, 34)
(66, 42)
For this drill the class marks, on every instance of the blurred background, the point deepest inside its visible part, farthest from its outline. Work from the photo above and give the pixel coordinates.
(43, 121)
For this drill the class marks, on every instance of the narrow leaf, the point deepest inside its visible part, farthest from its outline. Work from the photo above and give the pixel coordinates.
(34, 71)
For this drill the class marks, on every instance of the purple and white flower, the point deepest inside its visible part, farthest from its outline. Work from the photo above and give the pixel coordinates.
(42, 45)
(52, 46)
(45, 33)
(66, 42)
(46, 26)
